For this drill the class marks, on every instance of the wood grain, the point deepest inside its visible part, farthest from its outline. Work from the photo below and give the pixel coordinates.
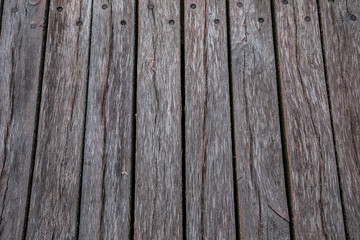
(20, 60)
(260, 170)
(209, 174)
(158, 184)
(106, 189)
(55, 190)
(341, 32)
(314, 182)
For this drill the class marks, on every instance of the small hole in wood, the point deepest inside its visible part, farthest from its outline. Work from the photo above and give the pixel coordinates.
(285, 2)
(353, 18)
(239, 4)
(14, 10)
(171, 22)
(123, 22)
(261, 20)
(193, 6)
(33, 26)
(216, 21)
(104, 6)
(150, 6)
(307, 18)
(79, 23)
(59, 9)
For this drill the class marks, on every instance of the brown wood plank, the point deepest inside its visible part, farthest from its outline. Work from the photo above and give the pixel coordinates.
(20, 60)
(209, 174)
(315, 188)
(158, 184)
(106, 190)
(55, 191)
(341, 32)
(260, 170)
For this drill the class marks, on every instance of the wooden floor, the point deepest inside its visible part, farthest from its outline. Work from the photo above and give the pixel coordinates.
(201, 119)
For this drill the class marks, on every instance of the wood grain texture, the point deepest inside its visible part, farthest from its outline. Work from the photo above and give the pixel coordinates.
(158, 184)
(209, 174)
(314, 182)
(20, 60)
(341, 32)
(106, 189)
(55, 190)
(260, 171)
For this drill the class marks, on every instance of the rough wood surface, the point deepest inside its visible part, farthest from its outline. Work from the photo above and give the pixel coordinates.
(314, 182)
(20, 59)
(55, 190)
(341, 32)
(158, 184)
(260, 171)
(209, 174)
(106, 189)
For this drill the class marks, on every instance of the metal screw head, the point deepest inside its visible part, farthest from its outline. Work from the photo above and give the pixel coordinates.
(331, 1)
(59, 9)
(79, 23)
(171, 22)
(33, 26)
(104, 6)
(261, 20)
(353, 18)
(123, 22)
(285, 2)
(307, 18)
(239, 4)
(216, 21)
(193, 6)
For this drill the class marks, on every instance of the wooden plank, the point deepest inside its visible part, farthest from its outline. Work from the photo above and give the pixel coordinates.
(341, 32)
(20, 60)
(106, 190)
(209, 174)
(315, 188)
(260, 170)
(55, 191)
(158, 184)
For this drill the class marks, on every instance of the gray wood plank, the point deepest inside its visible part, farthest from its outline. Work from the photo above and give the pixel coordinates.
(260, 170)
(20, 60)
(341, 32)
(106, 190)
(315, 187)
(158, 184)
(55, 190)
(209, 174)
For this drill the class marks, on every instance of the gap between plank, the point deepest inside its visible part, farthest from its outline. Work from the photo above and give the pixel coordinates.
(84, 126)
(37, 116)
(1, 15)
(347, 235)
(284, 145)
(183, 126)
(232, 122)
(134, 117)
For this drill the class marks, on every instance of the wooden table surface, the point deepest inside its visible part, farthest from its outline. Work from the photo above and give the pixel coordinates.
(179, 119)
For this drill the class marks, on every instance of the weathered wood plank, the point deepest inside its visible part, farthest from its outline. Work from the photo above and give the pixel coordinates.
(209, 174)
(315, 187)
(55, 191)
(260, 171)
(158, 184)
(106, 190)
(20, 60)
(341, 32)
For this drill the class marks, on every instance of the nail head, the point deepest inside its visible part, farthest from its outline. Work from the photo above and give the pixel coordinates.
(307, 18)
(193, 6)
(79, 23)
(14, 10)
(261, 20)
(285, 2)
(353, 18)
(216, 21)
(33, 26)
(151, 6)
(331, 1)
(123, 22)
(104, 6)
(59, 9)
(171, 22)
(239, 4)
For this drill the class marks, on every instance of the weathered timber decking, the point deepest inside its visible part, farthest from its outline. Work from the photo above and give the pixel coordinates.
(202, 119)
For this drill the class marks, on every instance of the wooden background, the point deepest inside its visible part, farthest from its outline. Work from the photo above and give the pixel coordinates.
(201, 119)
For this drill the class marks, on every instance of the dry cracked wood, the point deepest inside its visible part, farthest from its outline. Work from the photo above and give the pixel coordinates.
(158, 184)
(55, 190)
(20, 64)
(260, 172)
(314, 182)
(341, 32)
(106, 189)
(209, 174)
